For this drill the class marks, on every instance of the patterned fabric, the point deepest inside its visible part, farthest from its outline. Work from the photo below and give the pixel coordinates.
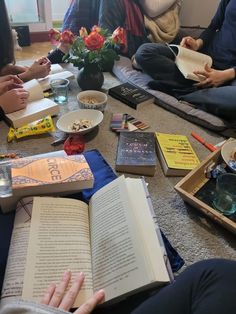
(109, 15)
(81, 13)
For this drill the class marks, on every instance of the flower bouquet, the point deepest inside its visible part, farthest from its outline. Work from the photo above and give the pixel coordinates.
(91, 52)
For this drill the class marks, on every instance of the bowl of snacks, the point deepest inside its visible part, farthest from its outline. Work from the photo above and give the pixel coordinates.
(228, 153)
(79, 121)
(92, 99)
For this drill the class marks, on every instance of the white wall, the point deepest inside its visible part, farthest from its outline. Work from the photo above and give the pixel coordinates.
(197, 12)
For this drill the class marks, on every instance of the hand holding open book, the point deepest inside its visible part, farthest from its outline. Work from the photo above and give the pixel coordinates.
(189, 61)
(114, 241)
(38, 106)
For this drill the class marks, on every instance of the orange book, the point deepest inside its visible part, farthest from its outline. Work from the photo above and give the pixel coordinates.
(47, 174)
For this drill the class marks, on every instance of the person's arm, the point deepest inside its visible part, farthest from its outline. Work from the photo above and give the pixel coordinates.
(39, 69)
(12, 69)
(215, 24)
(207, 35)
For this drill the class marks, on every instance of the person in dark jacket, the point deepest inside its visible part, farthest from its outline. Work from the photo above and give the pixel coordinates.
(216, 92)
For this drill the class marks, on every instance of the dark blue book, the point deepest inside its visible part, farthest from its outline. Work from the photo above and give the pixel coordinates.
(131, 95)
(136, 153)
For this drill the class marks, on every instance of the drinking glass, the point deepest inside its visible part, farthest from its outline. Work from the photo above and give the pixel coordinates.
(60, 90)
(225, 200)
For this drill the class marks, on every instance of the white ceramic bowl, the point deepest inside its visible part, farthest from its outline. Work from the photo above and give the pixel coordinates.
(92, 99)
(66, 121)
(226, 152)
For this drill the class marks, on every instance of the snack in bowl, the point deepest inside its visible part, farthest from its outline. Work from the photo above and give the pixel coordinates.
(79, 121)
(80, 125)
(92, 99)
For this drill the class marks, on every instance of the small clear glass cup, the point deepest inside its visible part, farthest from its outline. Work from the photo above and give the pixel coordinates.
(225, 200)
(60, 90)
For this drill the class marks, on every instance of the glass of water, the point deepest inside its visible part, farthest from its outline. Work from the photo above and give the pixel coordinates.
(60, 90)
(225, 200)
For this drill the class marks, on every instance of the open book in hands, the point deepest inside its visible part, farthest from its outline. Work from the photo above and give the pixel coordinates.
(38, 107)
(188, 61)
(114, 241)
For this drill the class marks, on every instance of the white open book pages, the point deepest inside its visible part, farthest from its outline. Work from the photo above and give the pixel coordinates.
(113, 242)
(188, 61)
(38, 107)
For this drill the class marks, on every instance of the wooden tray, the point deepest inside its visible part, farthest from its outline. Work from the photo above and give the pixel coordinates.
(193, 182)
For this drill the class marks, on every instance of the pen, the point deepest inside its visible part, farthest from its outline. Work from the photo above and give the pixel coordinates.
(211, 147)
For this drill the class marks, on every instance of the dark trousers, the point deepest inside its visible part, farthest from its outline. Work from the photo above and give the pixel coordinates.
(158, 61)
(207, 287)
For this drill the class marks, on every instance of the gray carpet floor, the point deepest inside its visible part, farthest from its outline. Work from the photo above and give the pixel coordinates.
(193, 235)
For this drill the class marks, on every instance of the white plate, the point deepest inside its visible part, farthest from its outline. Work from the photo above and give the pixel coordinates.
(65, 122)
(226, 151)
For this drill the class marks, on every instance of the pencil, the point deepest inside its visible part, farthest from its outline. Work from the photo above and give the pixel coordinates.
(209, 146)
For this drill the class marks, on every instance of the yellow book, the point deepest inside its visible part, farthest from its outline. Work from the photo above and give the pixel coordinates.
(176, 154)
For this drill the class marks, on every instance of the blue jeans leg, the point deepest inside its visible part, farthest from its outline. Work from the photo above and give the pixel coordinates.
(158, 61)
(220, 101)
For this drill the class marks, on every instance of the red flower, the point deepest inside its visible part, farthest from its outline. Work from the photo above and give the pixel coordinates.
(119, 36)
(54, 36)
(67, 37)
(94, 41)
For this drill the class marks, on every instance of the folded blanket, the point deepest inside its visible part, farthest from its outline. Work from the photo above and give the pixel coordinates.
(164, 27)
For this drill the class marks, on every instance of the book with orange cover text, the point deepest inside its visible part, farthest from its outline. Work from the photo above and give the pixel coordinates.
(47, 174)
(176, 154)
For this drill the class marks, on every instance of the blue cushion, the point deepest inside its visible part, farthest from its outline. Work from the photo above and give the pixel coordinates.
(125, 73)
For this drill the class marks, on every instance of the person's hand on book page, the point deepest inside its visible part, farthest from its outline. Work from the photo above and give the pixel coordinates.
(8, 77)
(8, 82)
(57, 296)
(14, 100)
(191, 43)
(214, 78)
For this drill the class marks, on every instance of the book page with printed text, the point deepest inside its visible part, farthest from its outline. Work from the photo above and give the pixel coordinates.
(120, 260)
(59, 240)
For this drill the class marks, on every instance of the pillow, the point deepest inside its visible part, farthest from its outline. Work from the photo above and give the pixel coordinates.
(125, 73)
(154, 8)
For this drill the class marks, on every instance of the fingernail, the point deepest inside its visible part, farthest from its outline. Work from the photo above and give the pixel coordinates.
(102, 292)
(66, 273)
(81, 274)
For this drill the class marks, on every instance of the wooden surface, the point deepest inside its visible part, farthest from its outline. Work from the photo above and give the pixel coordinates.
(190, 184)
(34, 51)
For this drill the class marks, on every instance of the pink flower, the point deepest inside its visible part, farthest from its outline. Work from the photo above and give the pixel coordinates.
(54, 36)
(67, 37)
(119, 36)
